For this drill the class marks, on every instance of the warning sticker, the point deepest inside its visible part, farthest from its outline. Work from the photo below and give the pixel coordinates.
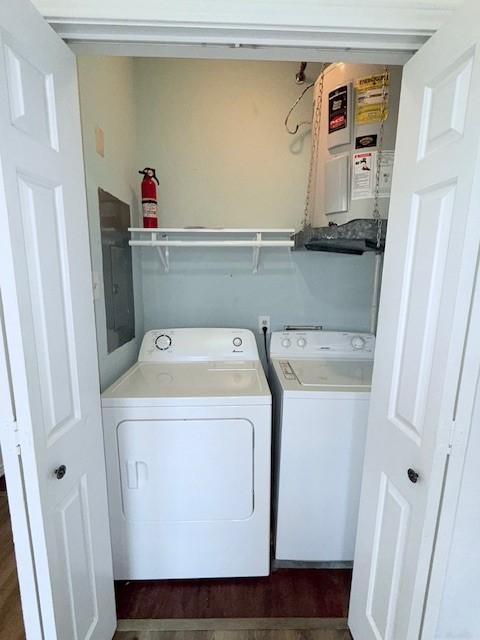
(363, 175)
(369, 98)
(337, 109)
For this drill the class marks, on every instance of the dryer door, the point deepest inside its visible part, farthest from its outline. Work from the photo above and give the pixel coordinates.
(186, 470)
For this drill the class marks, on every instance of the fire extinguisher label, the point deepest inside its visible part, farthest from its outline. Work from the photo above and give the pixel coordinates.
(150, 209)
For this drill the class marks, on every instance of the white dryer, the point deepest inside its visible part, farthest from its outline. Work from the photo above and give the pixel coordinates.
(321, 384)
(188, 444)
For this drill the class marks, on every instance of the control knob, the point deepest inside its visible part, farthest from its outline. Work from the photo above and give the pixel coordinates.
(286, 342)
(301, 342)
(358, 343)
(163, 342)
(237, 342)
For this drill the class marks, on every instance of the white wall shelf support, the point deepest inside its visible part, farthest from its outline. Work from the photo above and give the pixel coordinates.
(256, 254)
(164, 238)
(164, 257)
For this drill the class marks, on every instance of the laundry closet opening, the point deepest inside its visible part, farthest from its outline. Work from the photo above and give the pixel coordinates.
(262, 221)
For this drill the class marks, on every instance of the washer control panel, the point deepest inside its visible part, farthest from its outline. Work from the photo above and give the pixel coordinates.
(324, 344)
(287, 370)
(358, 343)
(163, 342)
(191, 345)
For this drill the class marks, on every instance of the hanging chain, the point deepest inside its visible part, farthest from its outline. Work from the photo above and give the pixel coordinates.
(376, 202)
(317, 114)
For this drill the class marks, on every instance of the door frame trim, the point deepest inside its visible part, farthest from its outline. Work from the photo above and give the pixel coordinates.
(152, 38)
(310, 31)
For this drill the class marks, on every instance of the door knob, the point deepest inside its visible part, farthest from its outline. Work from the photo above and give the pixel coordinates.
(412, 475)
(60, 472)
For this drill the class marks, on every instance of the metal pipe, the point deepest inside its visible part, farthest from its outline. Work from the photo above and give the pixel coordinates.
(300, 76)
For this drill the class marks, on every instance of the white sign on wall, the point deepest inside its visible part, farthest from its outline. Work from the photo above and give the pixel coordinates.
(364, 173)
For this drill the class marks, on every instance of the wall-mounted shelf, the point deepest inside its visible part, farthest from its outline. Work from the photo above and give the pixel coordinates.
(164, 238)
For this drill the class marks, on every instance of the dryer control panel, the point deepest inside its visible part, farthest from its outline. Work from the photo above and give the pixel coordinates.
(322, 344)
(198, 345)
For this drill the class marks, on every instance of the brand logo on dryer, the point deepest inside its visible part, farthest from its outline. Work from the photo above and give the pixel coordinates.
(237, 342)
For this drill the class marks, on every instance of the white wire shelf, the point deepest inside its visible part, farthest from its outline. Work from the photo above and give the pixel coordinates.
(161, 239)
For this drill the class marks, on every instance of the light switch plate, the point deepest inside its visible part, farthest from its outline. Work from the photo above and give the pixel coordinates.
(100, 141)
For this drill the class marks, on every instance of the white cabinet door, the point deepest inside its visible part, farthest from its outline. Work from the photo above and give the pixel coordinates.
(432, 248)
(45, 282)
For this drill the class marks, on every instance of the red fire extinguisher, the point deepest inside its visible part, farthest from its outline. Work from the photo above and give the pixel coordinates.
(149, 198)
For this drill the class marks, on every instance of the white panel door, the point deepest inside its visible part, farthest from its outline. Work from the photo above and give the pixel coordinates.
(49, 326)
(432, 247)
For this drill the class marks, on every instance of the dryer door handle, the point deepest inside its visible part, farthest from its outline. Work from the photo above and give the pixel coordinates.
(137, 474)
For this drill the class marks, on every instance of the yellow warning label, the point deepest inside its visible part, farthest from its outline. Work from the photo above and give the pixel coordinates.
(371, 101)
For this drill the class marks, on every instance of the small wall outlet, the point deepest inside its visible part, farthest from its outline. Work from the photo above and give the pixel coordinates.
(263, 321)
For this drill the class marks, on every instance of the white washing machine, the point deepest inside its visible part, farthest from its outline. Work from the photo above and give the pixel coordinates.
(188, 447)
(321, 384)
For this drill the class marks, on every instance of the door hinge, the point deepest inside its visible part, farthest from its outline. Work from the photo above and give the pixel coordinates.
(451, 436)
(11, 437)
(19, 439)
(456, 435)
(16, 436)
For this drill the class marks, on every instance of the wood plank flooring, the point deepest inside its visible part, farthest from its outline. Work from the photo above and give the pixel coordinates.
(283, 594)
(284, 634)
(236, 634)
(286, 593)
(11, 623)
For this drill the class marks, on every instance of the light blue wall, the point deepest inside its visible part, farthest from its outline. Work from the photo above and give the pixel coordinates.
(208, 288)
(212, 287)
(214, 130)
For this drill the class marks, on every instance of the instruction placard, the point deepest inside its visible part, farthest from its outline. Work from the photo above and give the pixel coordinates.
(363, 175)
(369, 99)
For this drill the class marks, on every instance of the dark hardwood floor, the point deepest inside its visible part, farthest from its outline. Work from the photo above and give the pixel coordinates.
(11, 623)
(277, 634)
(287, 593)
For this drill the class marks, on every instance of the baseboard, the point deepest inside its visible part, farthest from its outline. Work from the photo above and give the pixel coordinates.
(302, 564)
(231, 624)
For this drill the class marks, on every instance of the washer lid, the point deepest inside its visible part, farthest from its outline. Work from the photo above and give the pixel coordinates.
(205, 383)
(332, 373)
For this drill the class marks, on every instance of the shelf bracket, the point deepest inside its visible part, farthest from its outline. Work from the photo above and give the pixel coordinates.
(164, 254)
(256, 254)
